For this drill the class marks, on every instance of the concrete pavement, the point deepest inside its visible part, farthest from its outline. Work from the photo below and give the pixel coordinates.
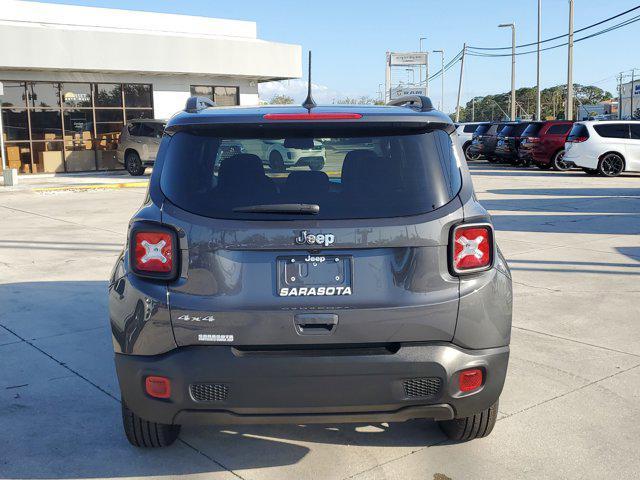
(569, 408)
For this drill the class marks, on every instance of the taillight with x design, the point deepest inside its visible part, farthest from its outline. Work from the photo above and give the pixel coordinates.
(153, 251)
(472, 248)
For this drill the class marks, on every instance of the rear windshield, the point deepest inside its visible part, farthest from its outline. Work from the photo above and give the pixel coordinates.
(532, 130)
(482, 129)
(506, 131)
(519, 128)
(470, 128)
(219, 175)
(578, 130)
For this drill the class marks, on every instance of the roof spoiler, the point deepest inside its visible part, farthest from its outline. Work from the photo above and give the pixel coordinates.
(195, 104)
(416, 102)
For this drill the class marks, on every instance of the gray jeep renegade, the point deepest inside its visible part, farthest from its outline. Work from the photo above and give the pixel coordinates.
(370, 290)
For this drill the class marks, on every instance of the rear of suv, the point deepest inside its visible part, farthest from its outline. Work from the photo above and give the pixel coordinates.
(485, 139)
(606, 148)
(509, 140)
(544, 144)
(465, 133)
(371, 290)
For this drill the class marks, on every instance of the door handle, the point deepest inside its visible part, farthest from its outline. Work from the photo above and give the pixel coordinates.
(315, 323)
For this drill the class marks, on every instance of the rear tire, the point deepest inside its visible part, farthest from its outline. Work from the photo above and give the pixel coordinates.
(316, 164)
(557, 162)
(145, 434)
(611, 165)
(470, 156)
(276, 162)
(133, 164)
(475, 426)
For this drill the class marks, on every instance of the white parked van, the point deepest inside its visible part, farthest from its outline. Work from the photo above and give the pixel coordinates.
(604, 148)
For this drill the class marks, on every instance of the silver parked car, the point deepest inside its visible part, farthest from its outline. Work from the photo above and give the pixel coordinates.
(138, 145)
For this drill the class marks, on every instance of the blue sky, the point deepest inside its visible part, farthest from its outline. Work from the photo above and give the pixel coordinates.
(349, 38)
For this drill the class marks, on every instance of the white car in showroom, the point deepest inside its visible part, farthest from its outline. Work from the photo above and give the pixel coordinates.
(604, 148)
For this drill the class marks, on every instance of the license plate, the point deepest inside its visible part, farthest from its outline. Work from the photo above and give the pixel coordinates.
(314, 275)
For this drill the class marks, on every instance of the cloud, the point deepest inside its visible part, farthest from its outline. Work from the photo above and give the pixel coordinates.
(297, 89)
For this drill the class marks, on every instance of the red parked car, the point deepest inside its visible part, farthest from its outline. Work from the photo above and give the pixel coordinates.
(543, 144)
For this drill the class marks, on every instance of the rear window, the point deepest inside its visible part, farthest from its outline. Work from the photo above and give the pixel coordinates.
(506, 131)
(613, 130)
(470, 128)
(482, 129)
(560, 129)
(379, 175)
(578, 131)
(519, 128)
(532, 130)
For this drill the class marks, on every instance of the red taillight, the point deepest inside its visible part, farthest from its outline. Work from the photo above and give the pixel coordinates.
(578, 140)
(153, 251)
(158, 387)
(533, 139)
(472, 248)
(312, 116)
(470, 379)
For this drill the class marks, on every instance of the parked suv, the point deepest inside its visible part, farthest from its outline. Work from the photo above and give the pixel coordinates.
(465, 136)
(509, 140)
(485, 139)
(607, 148)
(371, 290)
(138, 144)
(543, 144)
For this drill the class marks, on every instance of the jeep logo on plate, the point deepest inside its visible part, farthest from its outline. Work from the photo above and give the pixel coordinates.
(325, 239)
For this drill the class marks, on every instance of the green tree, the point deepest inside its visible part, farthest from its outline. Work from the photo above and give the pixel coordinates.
(281, 100)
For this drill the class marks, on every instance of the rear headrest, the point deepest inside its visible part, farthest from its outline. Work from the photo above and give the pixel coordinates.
(359, 165)
(306, 185)
(241, 167)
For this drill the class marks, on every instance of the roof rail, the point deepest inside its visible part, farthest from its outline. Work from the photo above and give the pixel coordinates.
(195, 104)
(417, 102)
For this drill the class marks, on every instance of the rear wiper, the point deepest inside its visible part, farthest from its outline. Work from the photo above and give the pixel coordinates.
(299, 208)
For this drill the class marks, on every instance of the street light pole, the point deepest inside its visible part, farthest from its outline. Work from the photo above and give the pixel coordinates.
(421, 39)
(569, 102)
(513, 67)
(538, 107)
(441, 52)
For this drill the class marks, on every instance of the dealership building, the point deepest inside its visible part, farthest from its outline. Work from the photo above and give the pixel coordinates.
(73, 76)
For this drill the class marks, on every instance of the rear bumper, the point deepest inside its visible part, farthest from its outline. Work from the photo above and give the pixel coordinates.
(417, 381)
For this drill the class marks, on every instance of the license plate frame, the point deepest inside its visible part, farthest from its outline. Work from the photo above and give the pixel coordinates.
(314, 275)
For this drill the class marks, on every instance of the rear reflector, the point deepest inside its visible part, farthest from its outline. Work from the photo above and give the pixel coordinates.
(470, 379)
(312, 116)
(472, 248)
(153, 251)
(158, 387)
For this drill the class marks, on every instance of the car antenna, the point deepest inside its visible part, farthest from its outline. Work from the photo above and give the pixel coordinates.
(309, 103)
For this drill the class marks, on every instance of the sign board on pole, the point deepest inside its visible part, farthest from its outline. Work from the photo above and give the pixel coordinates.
(403, 90)
(415, 58)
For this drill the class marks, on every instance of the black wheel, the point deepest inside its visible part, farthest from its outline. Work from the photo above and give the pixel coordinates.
(276, 162)
(611, 165)
(470, 156)
(142, 433)
(591, 171)
(557, 162)
(316, 164)
(133, 164)
(467, 428)
(544, 166)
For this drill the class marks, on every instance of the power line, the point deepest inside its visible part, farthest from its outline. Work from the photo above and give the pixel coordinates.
(560, 36)
(600, 32)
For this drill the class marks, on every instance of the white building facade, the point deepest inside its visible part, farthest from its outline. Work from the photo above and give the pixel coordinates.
(630, 100)
(73, 76)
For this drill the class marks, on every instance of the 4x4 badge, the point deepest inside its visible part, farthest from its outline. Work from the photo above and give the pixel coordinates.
(325, 239)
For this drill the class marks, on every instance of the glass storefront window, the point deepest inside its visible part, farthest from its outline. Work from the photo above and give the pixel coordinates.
(46, 124)
(133, 113)
(18, 155)
(226, 96)
(15, 123)
(14, 94)
(138, 95)
(43, 95)
(202, 91)
(48, 157)
(76, 95)
(108, 95)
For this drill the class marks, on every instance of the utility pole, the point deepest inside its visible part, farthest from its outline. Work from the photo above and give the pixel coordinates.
(473, 109)
(620, 97)
(464, 52)
(538, 107)
(633, 71)
(441, 52)
(513, 67)
(421, 39)
(569, 102)
(387, 79)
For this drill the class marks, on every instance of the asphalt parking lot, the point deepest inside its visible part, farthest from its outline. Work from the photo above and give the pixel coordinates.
(569, 409)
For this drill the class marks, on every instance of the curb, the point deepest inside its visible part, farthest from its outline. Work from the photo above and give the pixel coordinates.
(96, 186)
